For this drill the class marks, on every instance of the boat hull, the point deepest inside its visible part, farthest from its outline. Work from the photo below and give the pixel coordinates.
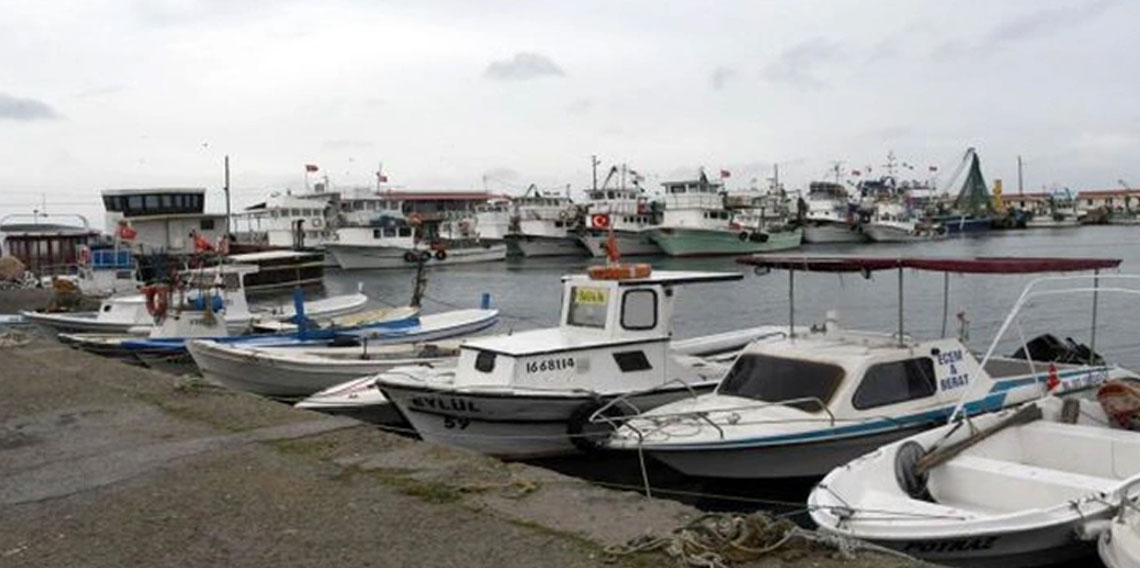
(832, 233)
(965, 224)
(352, 257)
(630, 243)
(535, 246)
(703, 242)
(893, 234)
(775, 462)
(1048, 223)
(271, 375)
(510, 426)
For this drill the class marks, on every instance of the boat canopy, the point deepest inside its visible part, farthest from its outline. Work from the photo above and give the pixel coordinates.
(962, 265)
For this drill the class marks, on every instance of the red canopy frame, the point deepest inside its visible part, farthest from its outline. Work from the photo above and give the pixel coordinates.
(865, 265)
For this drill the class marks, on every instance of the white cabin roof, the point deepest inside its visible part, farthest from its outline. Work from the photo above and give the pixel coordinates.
(548, 340)
(671, 277)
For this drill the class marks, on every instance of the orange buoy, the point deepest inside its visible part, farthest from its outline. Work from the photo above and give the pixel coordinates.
(619, 271)
(1121, 402)
(157, 299)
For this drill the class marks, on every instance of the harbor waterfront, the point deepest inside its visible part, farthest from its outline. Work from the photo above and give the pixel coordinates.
(259, 472)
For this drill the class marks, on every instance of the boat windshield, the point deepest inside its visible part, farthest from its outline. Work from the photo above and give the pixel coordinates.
(776, 379)
(588, 306)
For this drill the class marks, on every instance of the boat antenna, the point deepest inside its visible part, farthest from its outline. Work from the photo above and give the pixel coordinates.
(227, 189)
(594, 166)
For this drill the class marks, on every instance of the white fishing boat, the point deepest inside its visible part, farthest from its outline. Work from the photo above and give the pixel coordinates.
(1056, 210)
(542, 225)
(624, 211)
(400, 247)
(827, 215)
(892, 222)
(137, 313)
(530, 393)
(361, 398)
(804, 403)
(1030, 486)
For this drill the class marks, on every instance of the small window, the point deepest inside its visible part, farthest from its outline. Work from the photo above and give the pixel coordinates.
(588, 306)
(376, 233)
(639, 309)
(206, 224)
(630, 361)
(107, 308)
(405, 231)
(485, 362)
(898, 381)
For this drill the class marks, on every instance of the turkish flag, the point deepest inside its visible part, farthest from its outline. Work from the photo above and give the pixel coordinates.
(127, 232)
(725, 173)
(311, 167)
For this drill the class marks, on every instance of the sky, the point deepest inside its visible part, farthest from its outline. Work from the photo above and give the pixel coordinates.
(99, 94)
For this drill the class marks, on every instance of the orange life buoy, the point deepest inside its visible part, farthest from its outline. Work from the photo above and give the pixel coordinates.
(157, 299)
(600, 221)
(619, 271)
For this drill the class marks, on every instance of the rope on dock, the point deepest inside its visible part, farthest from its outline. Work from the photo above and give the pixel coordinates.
(722, 540)
(14, 338)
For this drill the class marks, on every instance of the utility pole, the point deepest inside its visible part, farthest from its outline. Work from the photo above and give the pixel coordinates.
(227, 188)
(1020, 189)
(594, 167)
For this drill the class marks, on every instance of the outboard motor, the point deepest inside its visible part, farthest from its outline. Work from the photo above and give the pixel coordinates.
(1047, 348)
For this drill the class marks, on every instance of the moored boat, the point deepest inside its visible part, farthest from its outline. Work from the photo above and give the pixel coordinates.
(531, 393)
(799, 405)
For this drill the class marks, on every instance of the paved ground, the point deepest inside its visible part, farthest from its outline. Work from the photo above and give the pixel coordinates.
(103, 464)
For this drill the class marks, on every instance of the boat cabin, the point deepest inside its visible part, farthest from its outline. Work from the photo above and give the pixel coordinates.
(163, 218)
(608, 329)
(45, 248)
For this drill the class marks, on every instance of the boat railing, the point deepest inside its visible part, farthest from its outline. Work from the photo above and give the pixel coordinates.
(1126, 487)
(602, 414)
(1033, 290)
(706, 415)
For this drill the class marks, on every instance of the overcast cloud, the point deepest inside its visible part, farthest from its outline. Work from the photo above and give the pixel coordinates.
(155, 93)
(15, 108)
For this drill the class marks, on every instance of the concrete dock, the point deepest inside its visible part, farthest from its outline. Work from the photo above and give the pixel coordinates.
(104, 464)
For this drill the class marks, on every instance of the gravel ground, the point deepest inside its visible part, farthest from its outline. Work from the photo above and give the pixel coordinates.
(103, 464)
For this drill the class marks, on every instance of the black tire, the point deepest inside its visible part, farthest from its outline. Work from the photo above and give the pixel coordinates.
(589, 437)
(743, 236)
(425, 255)
(441, 255)
(409, 256)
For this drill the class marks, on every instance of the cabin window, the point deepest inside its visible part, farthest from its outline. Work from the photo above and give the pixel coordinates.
(897, 381)
(800, 384)
(485, 362)
(206, 224)
(376, 233)
(588, 306)
(405, 231)
(630, 361)
(639, 309)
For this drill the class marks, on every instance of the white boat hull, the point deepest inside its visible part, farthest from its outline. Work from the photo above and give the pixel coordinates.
(1119, 547)
(895, 234)
(534, 246)
(629, 243)
(509, 425)
(1050, 223)
(274, 373)
(832, 233)
(357, 257)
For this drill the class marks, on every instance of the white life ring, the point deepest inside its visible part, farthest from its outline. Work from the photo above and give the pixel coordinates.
(317, 223)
